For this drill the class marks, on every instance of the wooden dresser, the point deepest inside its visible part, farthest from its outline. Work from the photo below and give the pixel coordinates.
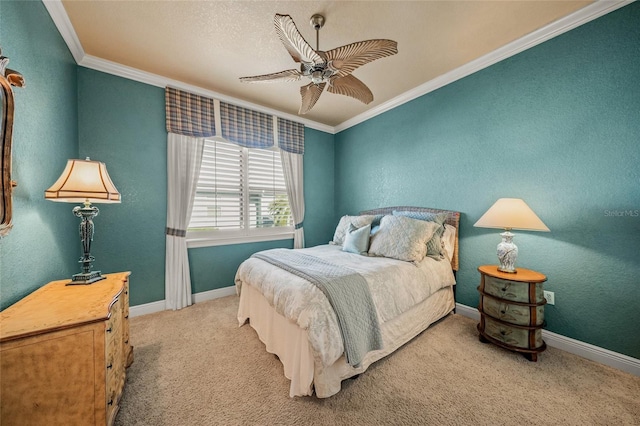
(63, 354)
(512, 310)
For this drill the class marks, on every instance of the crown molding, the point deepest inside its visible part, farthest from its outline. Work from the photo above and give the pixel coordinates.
(130, 73)
(63, 23)
(562, 25)
(61, 20)
(567, 23)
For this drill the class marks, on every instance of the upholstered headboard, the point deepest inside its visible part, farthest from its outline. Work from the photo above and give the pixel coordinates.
(453, 219)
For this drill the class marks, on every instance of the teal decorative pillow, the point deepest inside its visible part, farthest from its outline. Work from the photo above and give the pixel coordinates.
(343, 226)
(434, 245)
(356, 240)
(402, 238)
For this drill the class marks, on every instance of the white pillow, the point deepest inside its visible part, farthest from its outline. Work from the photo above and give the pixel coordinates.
(403, 238)
(343, 226)
(356, 240)
(449, 240)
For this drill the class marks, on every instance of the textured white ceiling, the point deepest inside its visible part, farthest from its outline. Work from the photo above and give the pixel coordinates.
(210, 44)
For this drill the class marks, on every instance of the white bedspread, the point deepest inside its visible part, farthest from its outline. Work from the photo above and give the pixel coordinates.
(395, 287)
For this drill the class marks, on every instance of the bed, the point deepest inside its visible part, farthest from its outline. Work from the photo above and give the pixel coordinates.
(296, 322)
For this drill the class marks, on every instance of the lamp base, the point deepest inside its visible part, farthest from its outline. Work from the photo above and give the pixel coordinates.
(86, 278)
(507, 253)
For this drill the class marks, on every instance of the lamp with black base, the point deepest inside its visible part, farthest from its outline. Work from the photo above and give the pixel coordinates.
(88, 182)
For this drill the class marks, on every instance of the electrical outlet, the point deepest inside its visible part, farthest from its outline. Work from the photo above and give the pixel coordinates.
(550, 296)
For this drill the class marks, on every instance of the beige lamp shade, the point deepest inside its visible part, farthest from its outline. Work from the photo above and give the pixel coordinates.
(84, 180)
(511, 213)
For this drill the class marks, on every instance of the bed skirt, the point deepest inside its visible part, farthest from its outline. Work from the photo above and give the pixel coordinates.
(290, 343)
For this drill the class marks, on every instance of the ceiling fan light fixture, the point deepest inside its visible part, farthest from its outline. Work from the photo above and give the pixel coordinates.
(317, 77)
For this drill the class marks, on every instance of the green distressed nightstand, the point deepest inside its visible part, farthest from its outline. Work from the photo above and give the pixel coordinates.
(512, 310)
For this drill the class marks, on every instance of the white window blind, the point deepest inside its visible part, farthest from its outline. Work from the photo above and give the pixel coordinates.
(241, 194)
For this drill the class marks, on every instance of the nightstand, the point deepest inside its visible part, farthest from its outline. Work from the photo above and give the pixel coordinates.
(512, 310)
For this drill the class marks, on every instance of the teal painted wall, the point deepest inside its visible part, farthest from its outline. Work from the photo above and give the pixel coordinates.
(44, 242)
(319, 187)
(557, 125)
(122, 123)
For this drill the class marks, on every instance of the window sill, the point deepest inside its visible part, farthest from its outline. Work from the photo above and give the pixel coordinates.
(211, 242)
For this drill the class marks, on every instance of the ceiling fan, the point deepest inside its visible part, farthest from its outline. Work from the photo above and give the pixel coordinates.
(332, 68)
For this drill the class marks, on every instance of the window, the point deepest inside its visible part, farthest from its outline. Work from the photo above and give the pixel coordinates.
(240, 196)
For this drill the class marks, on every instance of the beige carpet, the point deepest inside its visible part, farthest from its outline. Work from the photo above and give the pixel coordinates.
(197, 367)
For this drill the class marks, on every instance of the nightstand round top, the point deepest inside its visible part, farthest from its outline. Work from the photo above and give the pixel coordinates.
(522, 274)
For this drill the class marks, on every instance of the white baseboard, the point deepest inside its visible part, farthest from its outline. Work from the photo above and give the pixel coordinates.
(149, 308)
(576, 347)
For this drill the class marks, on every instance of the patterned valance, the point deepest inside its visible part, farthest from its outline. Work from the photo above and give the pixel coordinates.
(251, 129)
(189, 114)
(193, 115)
(290, 136)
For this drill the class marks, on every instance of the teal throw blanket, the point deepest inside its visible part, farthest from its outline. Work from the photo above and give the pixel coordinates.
(347, 292)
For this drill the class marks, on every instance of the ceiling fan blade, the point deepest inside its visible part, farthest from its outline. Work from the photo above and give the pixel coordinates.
(288, 75)
(351, 86)
(346, 59)
(310, 95)
(293, 41)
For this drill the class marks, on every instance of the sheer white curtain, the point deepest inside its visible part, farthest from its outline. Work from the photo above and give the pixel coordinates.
(184, 157)
(293, 176)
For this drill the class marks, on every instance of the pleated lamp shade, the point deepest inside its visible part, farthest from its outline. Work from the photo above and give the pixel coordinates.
(83, 180)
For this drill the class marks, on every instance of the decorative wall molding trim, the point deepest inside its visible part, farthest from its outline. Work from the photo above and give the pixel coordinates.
(582, 16)
(147, 308)
(591, 352)
(61, 20)
(124, 71)
(159, 306)
(569, 22)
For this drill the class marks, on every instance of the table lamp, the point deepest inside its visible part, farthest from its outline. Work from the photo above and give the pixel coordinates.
(88, 182)
(508, 214)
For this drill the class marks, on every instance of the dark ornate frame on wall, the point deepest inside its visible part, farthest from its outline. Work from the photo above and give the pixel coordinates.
(8, 78)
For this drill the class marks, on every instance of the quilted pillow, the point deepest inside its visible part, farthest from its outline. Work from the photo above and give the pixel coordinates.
(343, 226)
(356, 240)
(434, 245)
(402, 238)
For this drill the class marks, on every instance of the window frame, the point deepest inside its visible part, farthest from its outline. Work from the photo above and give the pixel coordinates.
(223, 237)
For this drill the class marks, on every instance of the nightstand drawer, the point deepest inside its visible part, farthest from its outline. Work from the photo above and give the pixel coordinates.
(512, 336)
(514, 314)
(512, 290)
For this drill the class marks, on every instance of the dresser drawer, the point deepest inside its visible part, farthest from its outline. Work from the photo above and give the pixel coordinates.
(514, 314)
(114, 374)
(512, 336)
(512, 290)
(64, 366)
